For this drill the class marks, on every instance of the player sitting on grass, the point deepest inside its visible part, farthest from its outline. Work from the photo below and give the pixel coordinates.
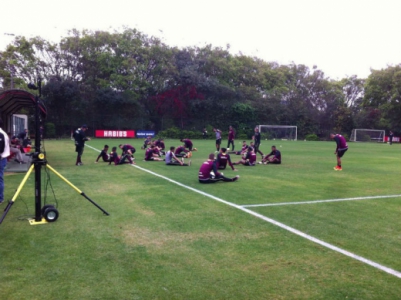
(119, 160)
(208, 172)
(275, 159)
(104, 155)
(243, 151)
(150, 154)
(222, 159)
(172, 160)
(146, 142)
(160, 146)
(127, 150)
(249, 159)
(188, 144)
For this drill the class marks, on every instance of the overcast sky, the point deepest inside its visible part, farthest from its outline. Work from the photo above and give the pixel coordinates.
(341, 37)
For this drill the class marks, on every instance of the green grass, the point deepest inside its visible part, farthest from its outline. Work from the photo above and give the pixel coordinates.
(162, 241)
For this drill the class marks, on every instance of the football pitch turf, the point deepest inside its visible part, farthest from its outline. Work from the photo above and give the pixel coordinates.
(299, 230)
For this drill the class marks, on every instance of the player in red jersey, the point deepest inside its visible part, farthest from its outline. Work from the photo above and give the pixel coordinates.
(341, 148)
(188, 144)
(119, 160)
(249, 159)
(222, 159)
(150, 154)
(231, 137)
(273, 157)
(208, 172)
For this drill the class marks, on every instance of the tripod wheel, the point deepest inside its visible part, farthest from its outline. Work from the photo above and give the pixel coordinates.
(50, 214)
(45, 207)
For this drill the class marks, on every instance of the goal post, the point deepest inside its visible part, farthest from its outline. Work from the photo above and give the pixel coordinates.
(278, 132)
(367, 135)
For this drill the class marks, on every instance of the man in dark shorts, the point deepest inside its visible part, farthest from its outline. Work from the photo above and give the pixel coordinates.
(243, 151)
(256, 139)
(275, 159)
(390, 137)
(341, 148)
(208, 172)
(218, 138)
(222, 159)
(104, 155)
(80, 138)
(181, 151)
(231, 137)
(172, 160)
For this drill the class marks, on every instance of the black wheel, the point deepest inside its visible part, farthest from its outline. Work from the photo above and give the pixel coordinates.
(51, 214)
(45, 207)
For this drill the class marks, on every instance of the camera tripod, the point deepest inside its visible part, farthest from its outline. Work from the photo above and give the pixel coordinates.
(47, 213)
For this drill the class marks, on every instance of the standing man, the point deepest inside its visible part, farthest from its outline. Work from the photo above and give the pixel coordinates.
(390, 137)
(80, 138)
(4, 152)
(204, 133)
(231, 136)
(256, 139)
(341, 148)
(218, 138)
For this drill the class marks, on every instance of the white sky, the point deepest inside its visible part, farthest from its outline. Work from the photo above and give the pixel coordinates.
(341, 37)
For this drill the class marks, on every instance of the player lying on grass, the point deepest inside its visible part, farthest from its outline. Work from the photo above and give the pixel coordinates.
(249, 159)
(104, 155)
(152, 154)
(172, 160)
(208, 172)
(222, 159)
(188, 144)
(119, 160)
(273, 157)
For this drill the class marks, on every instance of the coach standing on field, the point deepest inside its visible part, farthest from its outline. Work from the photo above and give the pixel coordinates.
(80, 138)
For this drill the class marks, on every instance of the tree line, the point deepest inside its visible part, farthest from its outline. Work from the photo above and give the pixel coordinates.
(129, 80)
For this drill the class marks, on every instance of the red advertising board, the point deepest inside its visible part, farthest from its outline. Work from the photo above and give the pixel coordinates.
(115, 133)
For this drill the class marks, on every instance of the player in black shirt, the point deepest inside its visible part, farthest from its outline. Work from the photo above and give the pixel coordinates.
(80, 138)
(104, 155)
(256, 139)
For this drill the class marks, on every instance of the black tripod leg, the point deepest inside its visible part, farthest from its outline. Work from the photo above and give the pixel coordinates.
(11, 202)
(75, 188)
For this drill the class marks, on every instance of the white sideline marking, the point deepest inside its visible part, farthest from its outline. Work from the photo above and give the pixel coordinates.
(321, 201)
(281, 225)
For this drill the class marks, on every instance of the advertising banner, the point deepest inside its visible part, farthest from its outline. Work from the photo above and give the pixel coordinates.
(115, 133)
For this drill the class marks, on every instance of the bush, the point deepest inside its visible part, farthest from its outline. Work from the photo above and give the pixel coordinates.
(311, 137)
(50, 130)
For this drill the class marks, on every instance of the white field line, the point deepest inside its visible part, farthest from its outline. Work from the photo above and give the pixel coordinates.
(321, 201)
(281, 225)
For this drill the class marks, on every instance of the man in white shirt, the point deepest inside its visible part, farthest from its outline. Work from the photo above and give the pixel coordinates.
(4, 153)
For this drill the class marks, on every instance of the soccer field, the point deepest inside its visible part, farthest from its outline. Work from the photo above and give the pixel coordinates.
(299, 230)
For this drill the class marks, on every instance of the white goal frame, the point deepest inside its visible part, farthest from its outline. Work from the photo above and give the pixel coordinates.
(293, 136)
(380, 135)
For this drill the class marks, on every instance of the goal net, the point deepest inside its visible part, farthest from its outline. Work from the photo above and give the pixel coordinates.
(367, 135)
(278, 132)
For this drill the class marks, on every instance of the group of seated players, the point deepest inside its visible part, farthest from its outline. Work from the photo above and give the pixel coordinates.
(209, 170)
(154, 151)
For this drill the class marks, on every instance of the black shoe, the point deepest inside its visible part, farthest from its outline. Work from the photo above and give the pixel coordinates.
(16, 160)
(236, 178)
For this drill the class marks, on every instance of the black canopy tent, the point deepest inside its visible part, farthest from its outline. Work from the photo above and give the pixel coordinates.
(11, 101)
